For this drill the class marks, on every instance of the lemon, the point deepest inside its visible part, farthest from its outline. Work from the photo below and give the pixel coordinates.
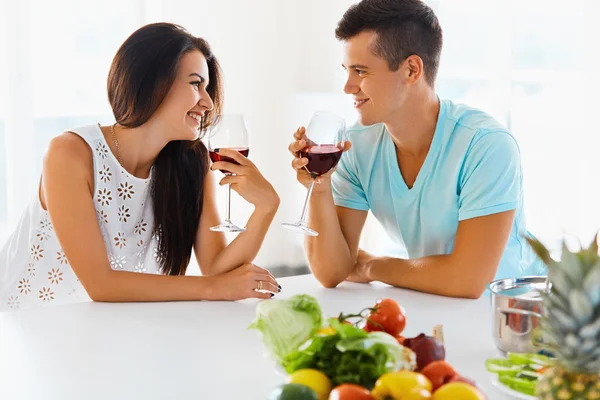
(314, 379)
(457, 390)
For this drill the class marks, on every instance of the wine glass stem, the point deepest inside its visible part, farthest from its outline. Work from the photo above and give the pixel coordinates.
(306, 201)
(228, 209)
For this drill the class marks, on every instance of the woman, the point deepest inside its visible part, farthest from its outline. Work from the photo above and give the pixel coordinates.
(137, 196)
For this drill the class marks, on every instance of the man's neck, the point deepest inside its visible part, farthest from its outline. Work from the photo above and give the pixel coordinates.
(412, 129)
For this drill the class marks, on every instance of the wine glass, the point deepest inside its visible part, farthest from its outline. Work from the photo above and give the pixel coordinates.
(229, 131)
(325, 136)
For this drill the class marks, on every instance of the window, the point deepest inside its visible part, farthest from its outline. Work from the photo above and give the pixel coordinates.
(529, 64)
(59, 55)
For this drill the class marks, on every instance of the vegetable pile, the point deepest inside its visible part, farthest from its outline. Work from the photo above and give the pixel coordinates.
(355, 356)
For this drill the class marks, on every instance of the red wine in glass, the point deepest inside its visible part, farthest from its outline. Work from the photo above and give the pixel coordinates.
(228, 132)
(215, 156)
(323, 130)
(321, 158)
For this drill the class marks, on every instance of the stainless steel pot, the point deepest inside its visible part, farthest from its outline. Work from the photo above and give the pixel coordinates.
(517, 308)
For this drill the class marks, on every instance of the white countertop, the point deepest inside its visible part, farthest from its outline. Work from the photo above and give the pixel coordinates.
(201, 350)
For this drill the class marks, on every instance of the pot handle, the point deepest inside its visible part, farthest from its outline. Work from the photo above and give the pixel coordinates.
(507, 311)
(517, 311)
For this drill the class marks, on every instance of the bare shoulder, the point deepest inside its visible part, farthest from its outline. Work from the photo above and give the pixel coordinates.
(69, 157)
(69, 150)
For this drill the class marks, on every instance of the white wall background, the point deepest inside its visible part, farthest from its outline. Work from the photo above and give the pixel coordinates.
(533, 64)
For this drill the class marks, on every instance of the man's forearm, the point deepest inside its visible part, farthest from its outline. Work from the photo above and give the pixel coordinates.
(438, 274)
(328, 254)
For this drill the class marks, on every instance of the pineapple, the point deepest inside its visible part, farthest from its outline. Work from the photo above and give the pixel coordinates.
(571, 324)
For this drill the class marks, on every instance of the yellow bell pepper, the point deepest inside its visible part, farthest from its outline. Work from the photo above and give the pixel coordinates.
(396, 385)
(326, 331)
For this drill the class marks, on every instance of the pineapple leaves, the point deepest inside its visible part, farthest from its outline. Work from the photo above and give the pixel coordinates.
(560, 282)
(591, 330)
(572, 264)
(564, 320)
(540, 250)
(571, 323)
(593, 249)
(581, 307)
(591, 284)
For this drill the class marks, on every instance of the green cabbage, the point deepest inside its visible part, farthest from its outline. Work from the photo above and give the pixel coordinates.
(286, 324)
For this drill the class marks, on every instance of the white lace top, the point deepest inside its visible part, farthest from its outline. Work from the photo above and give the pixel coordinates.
(34, 270)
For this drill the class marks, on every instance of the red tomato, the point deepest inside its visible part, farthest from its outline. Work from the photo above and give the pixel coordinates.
(388, 316)
(349, 391)
(439, 373)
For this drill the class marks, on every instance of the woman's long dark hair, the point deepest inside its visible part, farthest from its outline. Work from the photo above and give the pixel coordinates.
(141, 74)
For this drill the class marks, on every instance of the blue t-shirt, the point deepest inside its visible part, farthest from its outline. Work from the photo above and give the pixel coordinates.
(472, 169)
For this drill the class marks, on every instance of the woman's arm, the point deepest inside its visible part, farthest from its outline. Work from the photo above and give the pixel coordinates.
(67, 187)
(213, 255)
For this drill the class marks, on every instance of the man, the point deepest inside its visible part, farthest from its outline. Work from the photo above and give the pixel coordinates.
(443, 179)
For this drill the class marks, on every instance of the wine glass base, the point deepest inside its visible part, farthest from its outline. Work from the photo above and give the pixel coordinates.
(299, 227)
(227, 227)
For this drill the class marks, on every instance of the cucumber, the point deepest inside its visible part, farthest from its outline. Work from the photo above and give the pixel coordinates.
(524, 386)
(502, 367)
(530, 358)
(531, 375)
